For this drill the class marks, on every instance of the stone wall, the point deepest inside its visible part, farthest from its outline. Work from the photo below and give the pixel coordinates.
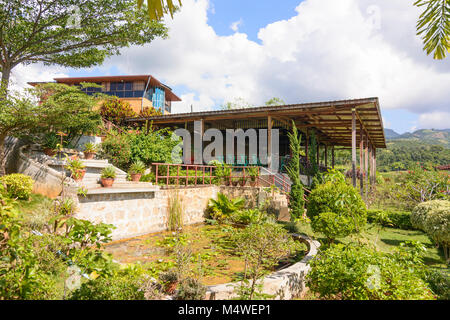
(139, 213)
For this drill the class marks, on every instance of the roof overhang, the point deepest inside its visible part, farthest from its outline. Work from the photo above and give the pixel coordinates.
(332, 120)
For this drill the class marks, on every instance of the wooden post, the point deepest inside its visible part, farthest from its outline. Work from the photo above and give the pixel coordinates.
(306, 145)
(318, 153)
(326, 156)
(366, 160)
(354, 147)
(371, 163)
(269, 142)
(332, 157)
(374, 165)
(361, 160)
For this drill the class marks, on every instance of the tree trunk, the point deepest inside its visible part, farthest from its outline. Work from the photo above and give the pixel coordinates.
(6, 73)
(2, 156)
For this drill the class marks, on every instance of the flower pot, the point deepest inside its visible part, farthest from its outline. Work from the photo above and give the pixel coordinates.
(226, 181)
(49, 151)
(79, 175)
(235, 182)
(89, 155)
(135, 177)
(107, 182)
(253, 182)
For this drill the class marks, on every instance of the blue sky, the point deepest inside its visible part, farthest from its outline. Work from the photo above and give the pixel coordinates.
(296, 60)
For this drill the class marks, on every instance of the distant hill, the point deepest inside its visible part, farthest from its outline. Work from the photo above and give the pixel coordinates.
(426, 136)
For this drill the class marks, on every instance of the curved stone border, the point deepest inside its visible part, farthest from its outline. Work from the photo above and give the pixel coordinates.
(285, 284)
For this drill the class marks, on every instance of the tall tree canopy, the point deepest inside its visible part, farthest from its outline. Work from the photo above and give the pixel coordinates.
(70, 33)
(434, 26)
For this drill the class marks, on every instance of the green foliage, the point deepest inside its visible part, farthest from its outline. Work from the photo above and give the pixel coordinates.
(117, 149)
(90, 147)
(352, 272)
(223, 208)
(434, 27)
(137, 167)
(439, 283)
(252, 172)
(191, 289)
(104, 28)
(18, 185)
(275, 102)
(115, 110)
(421, 211)
(50, 140)
(249, 216)
(157, 9)
(108, 172)
(262, 246)
(437, 226)
(341, 199)
(74, 166)
(389, 218)
(296, 196)
(149, 112)
(125, 284)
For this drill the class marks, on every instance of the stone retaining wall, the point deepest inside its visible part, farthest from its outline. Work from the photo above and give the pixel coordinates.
(285, 284)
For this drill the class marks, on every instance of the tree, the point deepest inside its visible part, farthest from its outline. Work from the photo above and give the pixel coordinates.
(434, 26)
(62, 108)
(296, 201)
(238, 103)
(157, 8)
(69, 33)
(275, 102)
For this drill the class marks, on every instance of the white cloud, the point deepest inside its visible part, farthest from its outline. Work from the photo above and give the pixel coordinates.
(329, 50)
(235, 25)
(435, 120)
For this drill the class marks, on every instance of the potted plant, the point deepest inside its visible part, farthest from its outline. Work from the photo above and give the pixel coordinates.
(226, 174)
(107, 177)
(253, 174)
(50, 143)
(89, 151)
(242, 181)
(76, 168)
(136, 171)
(235, 181)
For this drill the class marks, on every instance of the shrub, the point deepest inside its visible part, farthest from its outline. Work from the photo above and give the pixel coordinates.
(341, 199)
(223, 208)
(175, 220)
(115, 110)
(191, 289)
(359, 273)
(148, 177)
(332, 225)
(18, 185)
(149, 112)
(395, 219)
(421, 211)
(123, 285)
(249, 216)
(116, 148)
(439, 283)
(437, 226)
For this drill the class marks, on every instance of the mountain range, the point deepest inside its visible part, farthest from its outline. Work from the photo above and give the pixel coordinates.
(428, 136)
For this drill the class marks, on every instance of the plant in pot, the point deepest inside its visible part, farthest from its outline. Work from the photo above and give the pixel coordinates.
(253, 174)
(76, 168)
(242, 181)
(235, 181)
(50, 144)
(108, 176)
(226, 174)
(136, 171)
(89, 151)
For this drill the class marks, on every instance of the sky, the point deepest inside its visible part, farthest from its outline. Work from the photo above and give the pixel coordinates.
(300, 51)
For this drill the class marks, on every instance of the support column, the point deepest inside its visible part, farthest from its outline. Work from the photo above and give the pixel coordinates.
(361, 160)
(306, 146)
(269, 141)
(374, 166)
(332, 157)
(354, 147)
(366, 160)
(371, 163)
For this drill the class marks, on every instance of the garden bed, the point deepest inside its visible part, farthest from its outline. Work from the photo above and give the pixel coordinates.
(213, 252)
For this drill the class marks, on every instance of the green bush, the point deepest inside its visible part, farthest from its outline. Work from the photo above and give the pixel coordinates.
(249, 216)
(439, 283)
(18, 185)
(396, 219)
(223, 208)
(332, 225)
(355, 272)
(122, 285)
(341, 199)
(421, 211)
(437, 226)
(116, 110)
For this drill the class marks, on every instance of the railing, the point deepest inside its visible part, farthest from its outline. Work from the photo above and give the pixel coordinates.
(281, 182)
(203, 174)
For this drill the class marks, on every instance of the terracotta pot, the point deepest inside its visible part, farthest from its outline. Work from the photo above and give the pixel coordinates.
(49, 151)
(107, 182)
(79, 175)
(226, 181)
(89, 155)
(135, 177)
(253, 182)
(235, 182)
